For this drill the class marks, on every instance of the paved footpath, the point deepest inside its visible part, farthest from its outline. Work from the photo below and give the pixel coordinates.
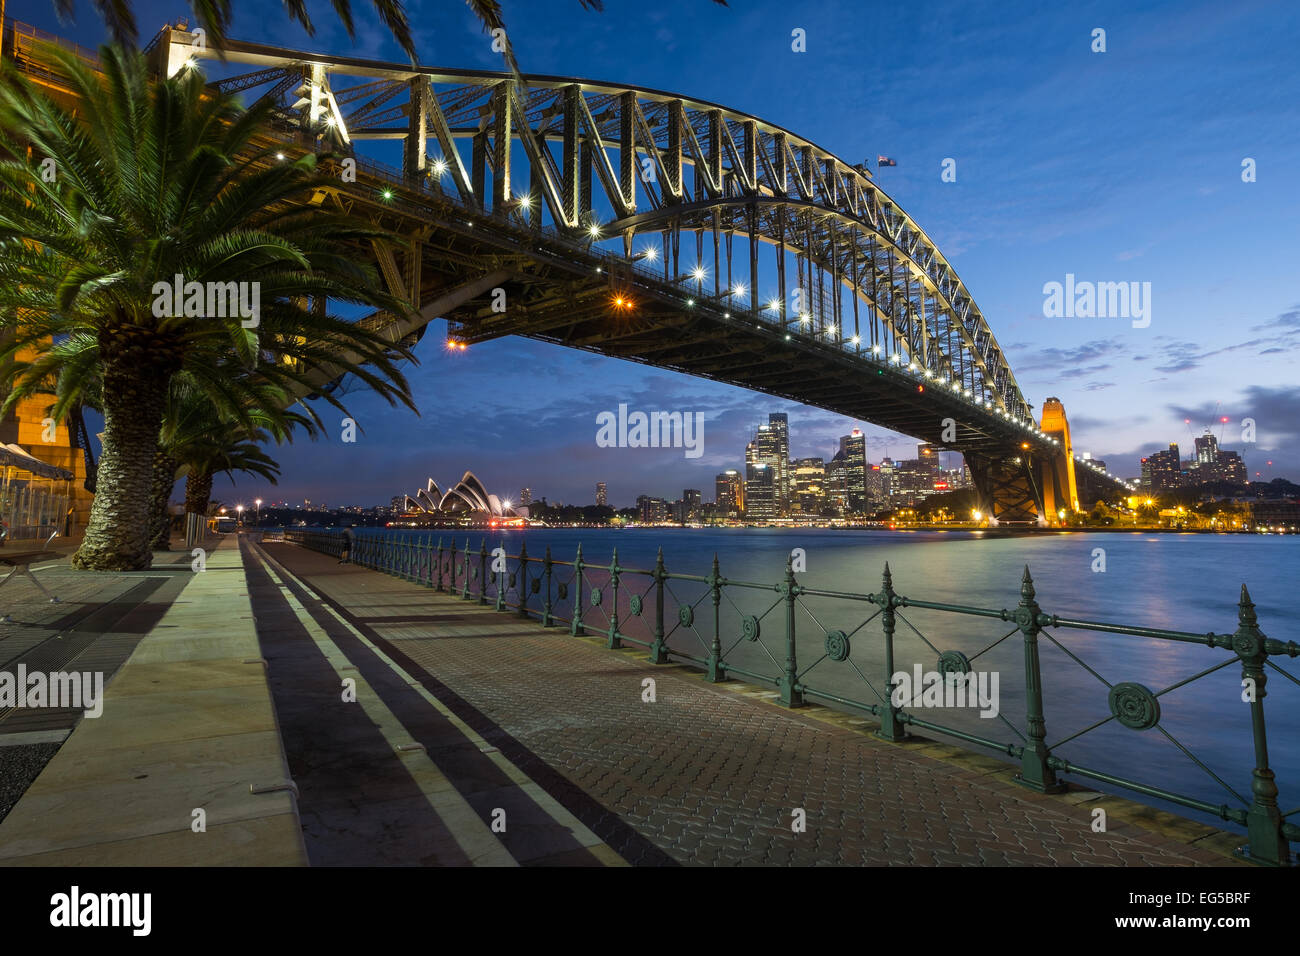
(707, 774)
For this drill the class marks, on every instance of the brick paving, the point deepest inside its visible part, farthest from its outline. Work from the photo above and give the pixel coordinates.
(710, 774)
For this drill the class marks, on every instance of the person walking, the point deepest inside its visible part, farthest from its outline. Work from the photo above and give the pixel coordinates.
(348, 538)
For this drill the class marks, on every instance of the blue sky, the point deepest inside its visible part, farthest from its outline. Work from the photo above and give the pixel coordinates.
(1115, 166)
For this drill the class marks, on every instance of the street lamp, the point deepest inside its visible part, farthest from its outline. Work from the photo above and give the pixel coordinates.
(258, 502)
(240, 510)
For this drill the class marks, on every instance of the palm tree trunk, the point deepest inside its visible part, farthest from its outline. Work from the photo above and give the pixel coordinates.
(135, 391)
(164, 478)
(198, 491)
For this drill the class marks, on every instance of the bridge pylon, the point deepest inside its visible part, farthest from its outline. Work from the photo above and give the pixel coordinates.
(1056, 474)
(1030, 486)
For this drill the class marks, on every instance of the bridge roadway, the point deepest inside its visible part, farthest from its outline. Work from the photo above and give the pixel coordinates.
(706, 775)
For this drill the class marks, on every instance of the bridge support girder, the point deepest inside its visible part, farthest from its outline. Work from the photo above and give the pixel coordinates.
(1008, 488)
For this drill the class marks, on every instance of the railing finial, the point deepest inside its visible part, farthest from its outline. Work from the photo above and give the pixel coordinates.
(1246, 609)
(887, 578)
(1026, 587)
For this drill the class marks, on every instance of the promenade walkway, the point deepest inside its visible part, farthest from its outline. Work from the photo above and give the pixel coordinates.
(184, 766)
(506, 714)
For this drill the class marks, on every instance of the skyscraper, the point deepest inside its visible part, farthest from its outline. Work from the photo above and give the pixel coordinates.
(771, 443)
(1207, 449)
(601, 500)
(808, 476)
(760, 491)
(1163, 470)
(779, 423)
(853, 448)
(690, 504)
(729, 493)
(525, 496)
(837, 484)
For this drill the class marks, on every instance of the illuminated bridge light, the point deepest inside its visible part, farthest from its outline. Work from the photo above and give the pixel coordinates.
(439, 166)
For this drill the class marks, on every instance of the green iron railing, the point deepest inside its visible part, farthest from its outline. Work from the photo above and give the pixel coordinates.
(627, 607)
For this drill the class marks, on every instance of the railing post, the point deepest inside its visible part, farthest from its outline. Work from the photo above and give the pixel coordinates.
(439, 571)
(523, 579)
(891, 728)
(1034, 770)
(548, 607)
(482, 571)
(716, 672)
(501, 577)
(658, 649)
(791, 696)
(613, 642)
(576, 628)
(1263, 820)
(464, 587)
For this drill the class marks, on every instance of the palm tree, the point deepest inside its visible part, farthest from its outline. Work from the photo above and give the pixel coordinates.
(223, 454)
(156, 180)
(193, 428)
(196, 436)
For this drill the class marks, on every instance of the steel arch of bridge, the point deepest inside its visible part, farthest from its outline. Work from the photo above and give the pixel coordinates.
(666, 165)
(921, 358)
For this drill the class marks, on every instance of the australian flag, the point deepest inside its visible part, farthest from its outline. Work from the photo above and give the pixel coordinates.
(885, 161)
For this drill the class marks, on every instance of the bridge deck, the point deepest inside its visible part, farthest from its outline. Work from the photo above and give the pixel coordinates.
(708, 773)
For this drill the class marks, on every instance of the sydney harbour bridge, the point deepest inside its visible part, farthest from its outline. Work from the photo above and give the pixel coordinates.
(648, 226)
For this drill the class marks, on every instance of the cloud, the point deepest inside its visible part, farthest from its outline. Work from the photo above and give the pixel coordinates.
(1290, 319)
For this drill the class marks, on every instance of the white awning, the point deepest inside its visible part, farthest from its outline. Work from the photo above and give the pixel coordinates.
(14, 456)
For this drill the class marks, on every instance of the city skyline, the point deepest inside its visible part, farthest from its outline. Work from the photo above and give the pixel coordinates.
(1156, 473)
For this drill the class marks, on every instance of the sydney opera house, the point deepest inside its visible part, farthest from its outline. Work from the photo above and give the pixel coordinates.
(466, 502)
